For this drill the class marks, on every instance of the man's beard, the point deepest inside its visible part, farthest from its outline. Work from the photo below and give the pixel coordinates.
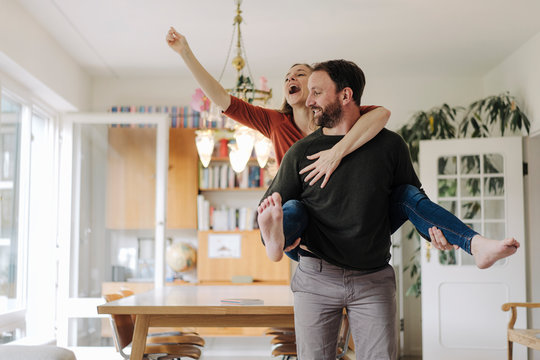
(330, 116)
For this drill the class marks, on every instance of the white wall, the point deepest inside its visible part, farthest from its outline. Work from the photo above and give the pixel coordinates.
(406, 95)
(520, 74)
(33, 58)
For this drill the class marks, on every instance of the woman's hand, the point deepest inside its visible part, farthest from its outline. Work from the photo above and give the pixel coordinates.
(210, 86)
(327, 162)
(177, 41)
(295, 244)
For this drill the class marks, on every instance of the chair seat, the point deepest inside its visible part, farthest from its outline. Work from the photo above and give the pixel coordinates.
(185, 339)
(527, 337)
(173, 351)
(152, 332)
(284, 350)
(283, 339)
(279, 330)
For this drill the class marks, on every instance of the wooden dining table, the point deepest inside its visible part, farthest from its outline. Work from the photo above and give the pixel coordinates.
(203, 306)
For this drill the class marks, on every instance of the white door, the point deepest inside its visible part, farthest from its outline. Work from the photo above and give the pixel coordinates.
(91, 250)
(481, 182)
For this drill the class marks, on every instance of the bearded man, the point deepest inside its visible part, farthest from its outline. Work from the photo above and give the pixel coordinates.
(345, 250)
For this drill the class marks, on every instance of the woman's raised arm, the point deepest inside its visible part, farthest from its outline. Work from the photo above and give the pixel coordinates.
(211, 87)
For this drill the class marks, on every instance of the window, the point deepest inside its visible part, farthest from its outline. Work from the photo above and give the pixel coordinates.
(28, 149)
(11, 245)
(472, 188)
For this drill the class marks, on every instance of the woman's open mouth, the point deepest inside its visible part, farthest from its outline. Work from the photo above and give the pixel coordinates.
(293, 89)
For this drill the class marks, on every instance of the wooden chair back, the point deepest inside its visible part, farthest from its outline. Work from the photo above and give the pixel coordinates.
(174, 347)
(285, 340)
(527, 337)
(122, 325)
(343, 337)
(126, 292)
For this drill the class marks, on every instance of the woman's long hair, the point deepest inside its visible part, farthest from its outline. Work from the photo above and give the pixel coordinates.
(285, 107)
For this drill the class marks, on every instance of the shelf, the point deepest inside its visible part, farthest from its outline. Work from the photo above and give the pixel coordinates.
(234, 189)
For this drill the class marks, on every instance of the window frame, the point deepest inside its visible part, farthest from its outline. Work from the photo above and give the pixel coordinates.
(18, 318)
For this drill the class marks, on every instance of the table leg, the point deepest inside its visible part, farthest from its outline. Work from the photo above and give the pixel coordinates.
(139, 337)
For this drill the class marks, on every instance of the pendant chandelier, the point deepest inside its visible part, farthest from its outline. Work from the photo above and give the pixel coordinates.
(245, 138)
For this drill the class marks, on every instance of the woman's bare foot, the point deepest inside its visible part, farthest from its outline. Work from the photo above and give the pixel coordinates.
(270, 220)
(487, 251)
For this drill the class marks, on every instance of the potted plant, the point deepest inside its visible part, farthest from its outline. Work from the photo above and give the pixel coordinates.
(497, 111)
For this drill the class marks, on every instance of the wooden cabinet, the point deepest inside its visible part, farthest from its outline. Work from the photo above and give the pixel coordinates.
(183, 180)
(131, 179)
(252, 261)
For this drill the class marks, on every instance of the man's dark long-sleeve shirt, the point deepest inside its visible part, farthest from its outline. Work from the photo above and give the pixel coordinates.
(348, 219)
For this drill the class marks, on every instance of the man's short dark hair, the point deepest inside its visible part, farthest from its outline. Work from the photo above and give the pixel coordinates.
(344, 74)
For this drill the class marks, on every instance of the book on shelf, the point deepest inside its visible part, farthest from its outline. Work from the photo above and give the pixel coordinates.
(220, 220)
(245, 218)
(254, 176)
(232, 181)
(243, 180)
(203, 212)
(222, 176)
(216, 174)
(224, 218)
(233, 218)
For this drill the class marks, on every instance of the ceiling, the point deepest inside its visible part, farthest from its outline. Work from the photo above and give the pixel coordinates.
(126, 38)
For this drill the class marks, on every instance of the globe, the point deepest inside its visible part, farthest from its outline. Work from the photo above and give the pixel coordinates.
(181, 257)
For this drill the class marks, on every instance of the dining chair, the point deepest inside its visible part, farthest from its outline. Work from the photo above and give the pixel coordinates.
(157, 347)
(527, 337)
(285, 340)
(127, 292)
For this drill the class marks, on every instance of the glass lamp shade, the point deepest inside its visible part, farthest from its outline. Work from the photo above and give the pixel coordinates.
(244, 139)
(262, 149)
(238, 158)
(240, 152)
(205, 145)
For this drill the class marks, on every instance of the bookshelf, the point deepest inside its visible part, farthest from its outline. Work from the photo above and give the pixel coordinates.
(228, 201)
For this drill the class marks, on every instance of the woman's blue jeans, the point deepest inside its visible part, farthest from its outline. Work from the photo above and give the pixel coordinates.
(407, 202)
